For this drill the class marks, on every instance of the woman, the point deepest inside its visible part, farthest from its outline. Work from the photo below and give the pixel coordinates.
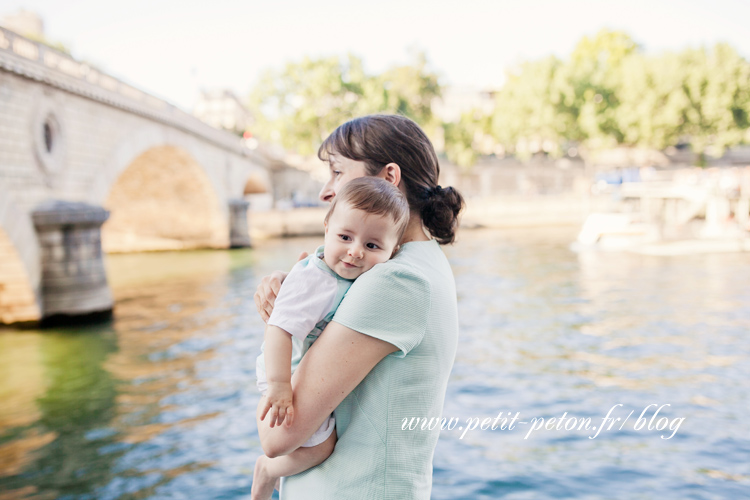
(387, 354)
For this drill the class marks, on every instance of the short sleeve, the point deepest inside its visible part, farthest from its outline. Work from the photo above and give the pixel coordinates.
(306, 296)
(391, 302)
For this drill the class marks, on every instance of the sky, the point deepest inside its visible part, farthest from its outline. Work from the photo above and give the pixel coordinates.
(173, 48)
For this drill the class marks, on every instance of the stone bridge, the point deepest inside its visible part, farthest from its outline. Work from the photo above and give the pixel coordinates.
(78, 148)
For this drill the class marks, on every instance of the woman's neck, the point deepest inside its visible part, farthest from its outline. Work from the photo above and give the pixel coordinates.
(414, 231)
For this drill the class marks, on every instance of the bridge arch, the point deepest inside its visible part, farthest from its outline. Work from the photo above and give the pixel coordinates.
(163, 200)
(20, 272)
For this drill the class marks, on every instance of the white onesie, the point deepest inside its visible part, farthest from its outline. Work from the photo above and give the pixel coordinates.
(306, 303)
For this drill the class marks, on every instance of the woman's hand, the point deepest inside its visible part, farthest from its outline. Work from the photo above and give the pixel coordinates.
(268, 289)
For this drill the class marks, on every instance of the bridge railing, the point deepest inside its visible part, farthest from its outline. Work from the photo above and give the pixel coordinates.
(41, 62)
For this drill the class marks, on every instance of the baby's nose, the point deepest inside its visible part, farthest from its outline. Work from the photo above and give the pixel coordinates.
(356, 251)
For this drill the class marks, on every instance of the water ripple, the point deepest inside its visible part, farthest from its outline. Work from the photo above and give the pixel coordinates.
(160, 403)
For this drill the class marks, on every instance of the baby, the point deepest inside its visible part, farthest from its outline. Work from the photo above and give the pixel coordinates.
(363, 226)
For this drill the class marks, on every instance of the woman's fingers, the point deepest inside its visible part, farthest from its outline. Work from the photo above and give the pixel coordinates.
(264, 298)
(265, 294)
(259, 306)
(271, 286)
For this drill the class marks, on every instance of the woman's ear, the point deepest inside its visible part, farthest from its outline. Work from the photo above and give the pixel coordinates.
(391, 173)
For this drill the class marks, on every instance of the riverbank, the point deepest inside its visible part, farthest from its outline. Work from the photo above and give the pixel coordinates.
(497, 212)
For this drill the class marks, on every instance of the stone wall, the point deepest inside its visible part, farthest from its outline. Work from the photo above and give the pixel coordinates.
(63, 137)
(18, 303)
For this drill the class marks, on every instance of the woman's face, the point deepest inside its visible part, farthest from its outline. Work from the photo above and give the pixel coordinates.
(342, 170)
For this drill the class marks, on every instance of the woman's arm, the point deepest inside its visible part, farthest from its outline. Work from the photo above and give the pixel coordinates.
(335, 364)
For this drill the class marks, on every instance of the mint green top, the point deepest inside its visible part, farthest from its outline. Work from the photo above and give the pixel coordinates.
(410, 302)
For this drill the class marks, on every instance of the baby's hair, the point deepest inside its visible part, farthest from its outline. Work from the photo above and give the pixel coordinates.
(376, 196)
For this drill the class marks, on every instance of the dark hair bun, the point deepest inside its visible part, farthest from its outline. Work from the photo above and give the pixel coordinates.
(440, 213)
(378, 140)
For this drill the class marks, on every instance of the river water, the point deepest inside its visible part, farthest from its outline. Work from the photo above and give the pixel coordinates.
(160, 402)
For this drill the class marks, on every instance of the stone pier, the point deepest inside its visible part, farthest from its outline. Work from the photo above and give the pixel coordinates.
(74, 281)
(239, 233)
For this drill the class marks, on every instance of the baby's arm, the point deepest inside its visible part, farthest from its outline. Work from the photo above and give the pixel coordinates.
(305, 299)
(278, 357)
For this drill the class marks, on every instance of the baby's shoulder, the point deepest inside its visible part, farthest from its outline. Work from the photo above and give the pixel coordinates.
(307, 273)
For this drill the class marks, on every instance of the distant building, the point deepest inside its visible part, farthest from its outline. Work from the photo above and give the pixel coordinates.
(25, 23)
(223, 109)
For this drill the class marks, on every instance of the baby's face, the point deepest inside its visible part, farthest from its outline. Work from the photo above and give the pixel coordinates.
(356, 241)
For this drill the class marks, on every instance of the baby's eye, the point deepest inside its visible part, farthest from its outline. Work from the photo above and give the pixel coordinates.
(336, 173)
(344, 237)
(373, 246)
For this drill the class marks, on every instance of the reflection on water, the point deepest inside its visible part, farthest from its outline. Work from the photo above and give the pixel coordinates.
(160, 403)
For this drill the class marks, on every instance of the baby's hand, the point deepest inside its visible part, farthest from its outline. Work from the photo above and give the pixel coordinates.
(279, 401)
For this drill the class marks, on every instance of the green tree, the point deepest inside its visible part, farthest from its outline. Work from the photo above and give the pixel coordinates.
(463, 140)
(717, 96)
(588, 84)
(549, 102)
(410, 89)
(608, 93)
(301, 104)
(652, 105)
(698, 94)
(530, 110)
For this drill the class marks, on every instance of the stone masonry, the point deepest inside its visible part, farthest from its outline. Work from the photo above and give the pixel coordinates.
(71, 133)
(74, 281)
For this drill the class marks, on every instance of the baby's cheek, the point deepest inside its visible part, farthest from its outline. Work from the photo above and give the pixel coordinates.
(384, 258)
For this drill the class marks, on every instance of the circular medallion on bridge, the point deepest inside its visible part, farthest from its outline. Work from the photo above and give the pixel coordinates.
(49, 143)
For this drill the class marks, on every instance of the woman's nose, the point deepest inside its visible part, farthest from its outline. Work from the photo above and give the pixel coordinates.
(327, 194)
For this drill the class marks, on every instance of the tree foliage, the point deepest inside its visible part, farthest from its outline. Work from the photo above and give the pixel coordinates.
(610, 93)
(304, 102)
(606, 93)
(530, 110)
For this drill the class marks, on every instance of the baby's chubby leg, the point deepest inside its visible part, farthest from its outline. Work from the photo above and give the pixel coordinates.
(268, 470)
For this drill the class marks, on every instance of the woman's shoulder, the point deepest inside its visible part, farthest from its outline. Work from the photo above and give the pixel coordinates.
(395, 271)
(410, 273)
